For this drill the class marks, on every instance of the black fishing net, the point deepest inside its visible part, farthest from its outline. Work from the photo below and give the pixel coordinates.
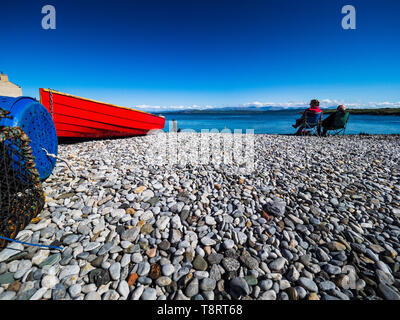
(21, 193)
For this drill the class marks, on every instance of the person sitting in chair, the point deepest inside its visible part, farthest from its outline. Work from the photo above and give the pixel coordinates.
(328, 122)
(314, 108)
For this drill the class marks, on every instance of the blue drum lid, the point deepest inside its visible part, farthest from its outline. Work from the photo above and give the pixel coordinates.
(28, 114)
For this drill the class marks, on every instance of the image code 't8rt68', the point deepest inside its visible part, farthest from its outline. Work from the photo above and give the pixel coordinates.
(223, 309)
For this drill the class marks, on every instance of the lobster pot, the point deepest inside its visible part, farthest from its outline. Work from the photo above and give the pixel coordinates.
(21, 193)
(37, 123)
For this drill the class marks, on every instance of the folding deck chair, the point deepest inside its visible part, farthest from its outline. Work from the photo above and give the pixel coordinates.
(339, 123)
(312, 124)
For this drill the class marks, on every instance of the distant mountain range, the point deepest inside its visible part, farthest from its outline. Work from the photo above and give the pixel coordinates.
(246, 109)
(267, 109)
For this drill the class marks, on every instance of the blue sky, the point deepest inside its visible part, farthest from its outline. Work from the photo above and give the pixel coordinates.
(205, 53)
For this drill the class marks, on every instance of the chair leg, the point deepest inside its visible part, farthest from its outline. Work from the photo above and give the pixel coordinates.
(337, 132)
(319, 131)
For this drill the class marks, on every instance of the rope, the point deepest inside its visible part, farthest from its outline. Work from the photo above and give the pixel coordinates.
(66, 162)
(51, 102)
(32, 244)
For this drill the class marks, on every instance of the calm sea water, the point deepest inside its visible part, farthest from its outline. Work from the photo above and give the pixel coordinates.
(277, 122)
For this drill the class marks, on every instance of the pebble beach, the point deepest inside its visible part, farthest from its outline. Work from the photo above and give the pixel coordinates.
(317, 219)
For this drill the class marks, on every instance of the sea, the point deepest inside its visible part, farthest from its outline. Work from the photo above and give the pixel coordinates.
(275, 122)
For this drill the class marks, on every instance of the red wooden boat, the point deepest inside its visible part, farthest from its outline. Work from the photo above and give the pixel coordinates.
(76, 117)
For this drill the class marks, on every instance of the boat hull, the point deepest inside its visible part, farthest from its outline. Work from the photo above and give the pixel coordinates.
(76, 117)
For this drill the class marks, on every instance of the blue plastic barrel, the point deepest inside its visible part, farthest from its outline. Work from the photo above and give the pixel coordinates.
(32, 117)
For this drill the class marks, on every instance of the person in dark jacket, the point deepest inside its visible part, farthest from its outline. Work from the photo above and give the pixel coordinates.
(328, 122)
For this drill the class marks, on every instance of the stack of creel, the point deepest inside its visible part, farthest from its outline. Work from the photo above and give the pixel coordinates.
(21, 193)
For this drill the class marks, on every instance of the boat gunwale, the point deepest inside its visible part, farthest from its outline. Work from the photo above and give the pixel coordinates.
(95, 101)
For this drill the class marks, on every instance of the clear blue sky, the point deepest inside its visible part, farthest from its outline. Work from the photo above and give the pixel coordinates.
(201, 52)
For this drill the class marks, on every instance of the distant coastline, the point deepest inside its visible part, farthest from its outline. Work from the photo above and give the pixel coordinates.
(375, 112)
(378, 111)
